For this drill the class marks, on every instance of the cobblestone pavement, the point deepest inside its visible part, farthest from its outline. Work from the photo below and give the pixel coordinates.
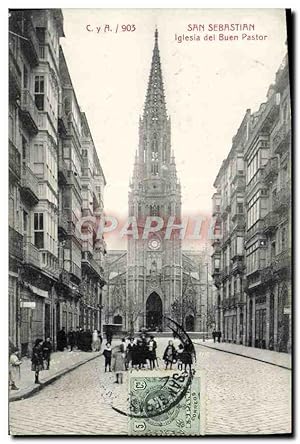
(243, 396)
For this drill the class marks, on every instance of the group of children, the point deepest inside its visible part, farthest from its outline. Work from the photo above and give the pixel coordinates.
(141, 353)
(182, 355)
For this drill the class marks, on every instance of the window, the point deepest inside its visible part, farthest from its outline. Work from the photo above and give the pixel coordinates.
(25, 222)
(253, 213)
(41, 34)
(39, 230)
(217, 265)
(39, 92)
(24, 148)
(252, 168)
(154, 144)
(240, 208)
(25, 77)
(154, 169)
(154, 210)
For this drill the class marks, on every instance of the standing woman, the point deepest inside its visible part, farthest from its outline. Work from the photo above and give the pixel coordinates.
(119, 364)
(95, 341)
(37, 359)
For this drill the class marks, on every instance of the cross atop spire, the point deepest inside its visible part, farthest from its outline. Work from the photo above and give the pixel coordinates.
(155, 105)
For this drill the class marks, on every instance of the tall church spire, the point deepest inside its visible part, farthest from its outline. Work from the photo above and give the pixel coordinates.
(155, 104)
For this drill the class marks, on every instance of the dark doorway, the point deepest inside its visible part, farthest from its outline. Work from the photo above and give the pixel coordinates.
(190, 323)
(154, 312)
(118, 319)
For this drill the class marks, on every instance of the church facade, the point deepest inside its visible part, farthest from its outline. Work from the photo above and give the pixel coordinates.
(153, 278)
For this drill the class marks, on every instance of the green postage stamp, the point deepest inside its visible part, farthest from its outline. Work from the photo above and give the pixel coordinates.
(164, 406)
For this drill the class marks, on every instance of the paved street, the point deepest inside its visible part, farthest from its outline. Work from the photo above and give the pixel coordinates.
(243, 396)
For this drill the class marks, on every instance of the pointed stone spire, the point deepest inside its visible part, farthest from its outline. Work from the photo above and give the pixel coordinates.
(155, 104)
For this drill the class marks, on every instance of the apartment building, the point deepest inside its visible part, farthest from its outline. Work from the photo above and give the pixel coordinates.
(45, 167)
(251, 258)
(228, 246)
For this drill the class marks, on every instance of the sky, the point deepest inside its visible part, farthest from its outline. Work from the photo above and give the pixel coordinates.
(208, 85)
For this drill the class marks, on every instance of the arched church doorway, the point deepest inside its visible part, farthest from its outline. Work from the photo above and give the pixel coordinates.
(118, 319)
(154, 312)
(190, 323)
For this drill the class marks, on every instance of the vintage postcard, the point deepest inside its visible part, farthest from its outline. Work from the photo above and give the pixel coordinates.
(150, 222)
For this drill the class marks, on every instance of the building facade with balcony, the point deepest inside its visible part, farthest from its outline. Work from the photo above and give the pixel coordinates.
(228, 246)
(45, 201)
(263, 210)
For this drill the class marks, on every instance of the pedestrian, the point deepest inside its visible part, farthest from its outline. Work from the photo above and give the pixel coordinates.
(186, 357)
(214, 335)
(47, 350)
(81, 339)
(152, 346)
(37, 363)
(176, 341)
(130, 352)
(118, 364)
(135, 354)
(143, 351)
(169, 355)
(124, 352)
(71, 339)
(14, 369)
(107, 356)
(76, 335)
(180, 357)
(100, 339)
(61, 339)
(109, 336)
(95, 341)
(219, 336)
(89, 339)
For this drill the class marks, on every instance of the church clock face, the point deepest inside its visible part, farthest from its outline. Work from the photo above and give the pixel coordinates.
(154, 244)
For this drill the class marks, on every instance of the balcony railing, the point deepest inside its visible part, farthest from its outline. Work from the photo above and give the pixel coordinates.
(238, 266)
(32, 255)
(15, 244)
(224, 273)
(270, 222)
(14, 160)
(64, 277)
(267, 274)
(29, 111)
(90, 261)
(281, 138)
(271, 169)
(238, 221)
(30, 185)
(75, 270)
(282, 261)
(239, 184)
(282, 200)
